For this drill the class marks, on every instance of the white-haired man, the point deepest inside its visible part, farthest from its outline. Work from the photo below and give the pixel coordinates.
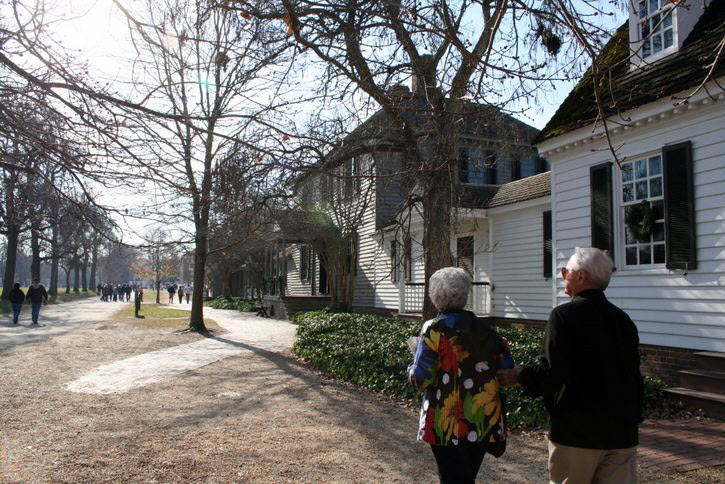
(589, 376)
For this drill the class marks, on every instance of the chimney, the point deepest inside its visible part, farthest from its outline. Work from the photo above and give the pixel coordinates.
(425, 80)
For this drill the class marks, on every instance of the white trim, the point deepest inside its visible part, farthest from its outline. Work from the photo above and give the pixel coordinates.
(647, 114)
(534, 202)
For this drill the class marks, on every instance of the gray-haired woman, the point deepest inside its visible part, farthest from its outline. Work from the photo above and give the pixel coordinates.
(455, 366)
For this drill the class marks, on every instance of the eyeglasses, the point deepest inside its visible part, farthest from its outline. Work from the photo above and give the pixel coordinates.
(565, 271)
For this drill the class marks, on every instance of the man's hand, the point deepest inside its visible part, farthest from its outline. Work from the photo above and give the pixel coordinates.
(508, 378)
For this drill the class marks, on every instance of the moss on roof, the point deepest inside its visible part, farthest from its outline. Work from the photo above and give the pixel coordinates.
(629, 89)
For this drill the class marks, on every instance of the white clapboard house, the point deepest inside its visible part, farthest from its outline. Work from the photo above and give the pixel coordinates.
(660, 207)
(500, 211)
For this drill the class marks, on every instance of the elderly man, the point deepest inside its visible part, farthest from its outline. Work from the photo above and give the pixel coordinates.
(589, 376)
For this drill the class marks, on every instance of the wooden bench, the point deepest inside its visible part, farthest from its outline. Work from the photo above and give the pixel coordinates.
(263, 311)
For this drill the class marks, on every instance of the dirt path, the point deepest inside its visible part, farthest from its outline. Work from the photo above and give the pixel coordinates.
(258, 415)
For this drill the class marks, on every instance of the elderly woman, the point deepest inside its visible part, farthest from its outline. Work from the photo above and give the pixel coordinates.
(455, 366)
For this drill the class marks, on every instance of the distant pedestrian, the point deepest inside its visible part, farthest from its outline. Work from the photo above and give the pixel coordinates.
(137, 300)
(37, 295)
(188, 290)
(181, 293)
(99, 290)
(172, 291)
(17, 296)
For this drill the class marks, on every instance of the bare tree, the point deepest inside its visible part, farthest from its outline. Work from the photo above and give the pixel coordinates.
(459, 55)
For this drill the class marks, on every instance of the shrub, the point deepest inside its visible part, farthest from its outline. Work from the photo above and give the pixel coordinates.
(371, 351)
(222, 302)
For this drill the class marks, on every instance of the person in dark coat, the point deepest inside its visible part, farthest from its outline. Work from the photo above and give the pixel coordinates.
(180, 293)
(37, 295)
(589, 376)
(17, 296)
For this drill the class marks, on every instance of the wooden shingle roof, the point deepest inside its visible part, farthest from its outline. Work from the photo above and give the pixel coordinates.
(629, 88)
(528, 188)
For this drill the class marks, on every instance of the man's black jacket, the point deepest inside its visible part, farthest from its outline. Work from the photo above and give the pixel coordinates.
(36, 295)
(589, 374)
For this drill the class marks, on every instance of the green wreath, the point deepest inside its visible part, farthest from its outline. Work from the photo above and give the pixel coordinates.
(640, 220)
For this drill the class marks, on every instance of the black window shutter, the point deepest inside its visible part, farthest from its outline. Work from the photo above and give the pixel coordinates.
(679, 206)
(547, 244)
(600, 179)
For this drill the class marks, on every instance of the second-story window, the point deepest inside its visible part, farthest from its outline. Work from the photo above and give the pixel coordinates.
(655, 26)
(477, 166)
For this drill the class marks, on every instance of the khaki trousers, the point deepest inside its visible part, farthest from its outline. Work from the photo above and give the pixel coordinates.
(572, 465)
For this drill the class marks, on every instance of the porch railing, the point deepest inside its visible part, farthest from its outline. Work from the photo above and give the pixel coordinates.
(414, 292)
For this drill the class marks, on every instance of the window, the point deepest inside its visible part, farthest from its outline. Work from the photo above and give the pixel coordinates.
(408, 260)
(305, 253)
(394, 260)
(656, 30)
(547, 244)
(477, 166)
(642, 184)
(465, 254)
(529, 166)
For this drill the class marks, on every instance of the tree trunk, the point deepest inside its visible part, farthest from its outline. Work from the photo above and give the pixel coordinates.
(76, 276)
(35, 251)
(436, 230)
(94, 263)
(11, 254)
(54, 261)
(158, 291)
(84, 273)
(67, 279)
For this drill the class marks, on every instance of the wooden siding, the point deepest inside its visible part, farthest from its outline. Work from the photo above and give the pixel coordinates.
(670, 308)
(521, 292)
(296, 286)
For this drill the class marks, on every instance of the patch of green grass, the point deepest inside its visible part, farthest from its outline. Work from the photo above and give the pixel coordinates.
(157, 316)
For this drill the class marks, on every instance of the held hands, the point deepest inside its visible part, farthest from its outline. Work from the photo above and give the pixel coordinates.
(508, 378)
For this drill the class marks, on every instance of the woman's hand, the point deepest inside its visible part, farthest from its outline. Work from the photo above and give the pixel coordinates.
(508, 378)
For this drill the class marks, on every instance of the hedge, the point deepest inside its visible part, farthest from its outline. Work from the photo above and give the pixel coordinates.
(371, 351)
(222, 302)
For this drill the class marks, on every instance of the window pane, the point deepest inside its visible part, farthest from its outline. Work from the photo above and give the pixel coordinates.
(640, 168)
(659, 254)
(641, 187)
(628, 237)
(655, 23)
(655, 187)
(667, 22)
(645, 254)
(658, 234)
(631, 256)
(659, 209)
(646, 51)
(628, 192)
(656, 43)
(668, 38)
(655, 166)
(653, 6)
(642, 9)
(627, 172)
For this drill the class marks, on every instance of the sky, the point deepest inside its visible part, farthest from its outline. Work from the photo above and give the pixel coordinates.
(96, 31)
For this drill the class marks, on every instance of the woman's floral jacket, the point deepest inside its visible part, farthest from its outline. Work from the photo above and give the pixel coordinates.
(455, 365)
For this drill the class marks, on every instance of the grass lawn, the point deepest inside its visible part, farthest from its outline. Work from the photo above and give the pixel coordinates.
(161, 316)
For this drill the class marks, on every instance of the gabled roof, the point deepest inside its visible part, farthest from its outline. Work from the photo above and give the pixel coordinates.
(528, 188)
(379, 132)
(677, 72)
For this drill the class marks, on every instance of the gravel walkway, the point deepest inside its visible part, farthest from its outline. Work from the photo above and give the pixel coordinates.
(244, 333)
(149, 405)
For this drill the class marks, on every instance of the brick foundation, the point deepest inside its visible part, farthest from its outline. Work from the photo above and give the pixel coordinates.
(664, 362)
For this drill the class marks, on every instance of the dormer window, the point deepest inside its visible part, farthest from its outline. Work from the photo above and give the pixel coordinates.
(656, 26)
(477, 166)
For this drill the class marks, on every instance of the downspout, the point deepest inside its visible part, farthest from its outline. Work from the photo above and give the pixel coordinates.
(489, 293)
